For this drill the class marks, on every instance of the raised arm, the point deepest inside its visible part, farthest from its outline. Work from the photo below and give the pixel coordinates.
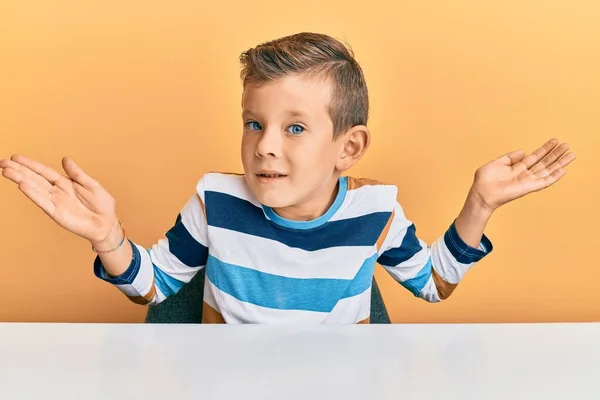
(81, 205)
(432, 272)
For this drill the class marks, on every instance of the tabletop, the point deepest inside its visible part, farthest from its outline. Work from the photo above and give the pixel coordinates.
(427, 361)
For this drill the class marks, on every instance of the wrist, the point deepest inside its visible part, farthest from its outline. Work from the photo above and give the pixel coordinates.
(112, 240)
(472, 220)
(476, 207)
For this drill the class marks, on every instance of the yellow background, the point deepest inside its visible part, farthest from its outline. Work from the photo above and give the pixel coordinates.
(146, 97)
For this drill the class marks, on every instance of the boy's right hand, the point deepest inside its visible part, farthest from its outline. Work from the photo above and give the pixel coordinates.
(76, 202)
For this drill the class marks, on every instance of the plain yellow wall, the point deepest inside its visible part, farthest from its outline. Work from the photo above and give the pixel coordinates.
(146, 97)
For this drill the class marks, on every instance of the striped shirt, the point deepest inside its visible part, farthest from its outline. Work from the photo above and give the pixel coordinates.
(262, 268)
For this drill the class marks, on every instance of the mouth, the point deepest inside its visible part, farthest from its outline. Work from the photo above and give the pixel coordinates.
(269, 176)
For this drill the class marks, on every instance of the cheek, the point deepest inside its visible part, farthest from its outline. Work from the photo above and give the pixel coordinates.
(314, 160)
(247, 149)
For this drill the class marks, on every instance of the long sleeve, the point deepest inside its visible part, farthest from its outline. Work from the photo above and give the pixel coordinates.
(161, 271)
(430, 272)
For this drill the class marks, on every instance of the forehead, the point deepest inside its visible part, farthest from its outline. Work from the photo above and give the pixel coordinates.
(299, 93)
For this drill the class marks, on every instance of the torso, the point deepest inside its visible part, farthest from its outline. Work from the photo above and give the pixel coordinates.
(264, 269)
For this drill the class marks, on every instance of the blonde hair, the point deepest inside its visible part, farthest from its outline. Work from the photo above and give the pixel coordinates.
(314, 55)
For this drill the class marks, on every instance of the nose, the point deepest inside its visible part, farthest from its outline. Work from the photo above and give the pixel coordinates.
(269, 144)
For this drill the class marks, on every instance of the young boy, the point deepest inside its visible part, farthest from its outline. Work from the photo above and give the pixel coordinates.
(291, 240)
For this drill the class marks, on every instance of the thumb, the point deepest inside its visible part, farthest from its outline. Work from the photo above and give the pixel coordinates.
(76, 173)
(513, 157)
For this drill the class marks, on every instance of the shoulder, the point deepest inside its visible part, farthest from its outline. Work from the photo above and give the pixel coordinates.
(371, 190)
(368, 196)
(221, 184)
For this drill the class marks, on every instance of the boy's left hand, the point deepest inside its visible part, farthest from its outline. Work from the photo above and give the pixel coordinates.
(514, 175)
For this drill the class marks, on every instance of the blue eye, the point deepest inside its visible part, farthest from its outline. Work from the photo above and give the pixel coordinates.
(253, 126)
(295, 129)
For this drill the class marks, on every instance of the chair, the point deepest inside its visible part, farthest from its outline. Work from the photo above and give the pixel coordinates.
(185, 307)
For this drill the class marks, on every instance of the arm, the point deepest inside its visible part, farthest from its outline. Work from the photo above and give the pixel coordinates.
(81, 205)
(149, 276)
(430, 272)
(433, 272)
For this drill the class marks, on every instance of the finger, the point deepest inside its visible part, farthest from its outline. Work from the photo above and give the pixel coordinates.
(3, 163)
(560, 163)
(13, 175)
(51, 175)
(77, 174)
(21, 173)
(539, 154)
(542, 183)
(512, 158)
(551, 158)
(18, 177)
(41, 198)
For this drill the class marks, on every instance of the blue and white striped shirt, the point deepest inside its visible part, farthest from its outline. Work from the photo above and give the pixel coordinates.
(262, 268)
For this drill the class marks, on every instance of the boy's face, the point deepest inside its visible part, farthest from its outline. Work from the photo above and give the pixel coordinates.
(288, 151)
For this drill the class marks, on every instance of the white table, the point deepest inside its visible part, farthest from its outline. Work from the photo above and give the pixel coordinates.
(130, 361)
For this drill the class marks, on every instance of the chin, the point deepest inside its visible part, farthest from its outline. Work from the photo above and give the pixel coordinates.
(270, 198)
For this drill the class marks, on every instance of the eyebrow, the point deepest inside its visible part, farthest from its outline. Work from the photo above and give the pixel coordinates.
(247, 113)
(291, 113)
(295, 113)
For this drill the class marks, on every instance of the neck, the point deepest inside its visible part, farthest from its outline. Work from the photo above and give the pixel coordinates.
(315, 207)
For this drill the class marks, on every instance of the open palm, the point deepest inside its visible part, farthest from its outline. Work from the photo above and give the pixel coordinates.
(76, 202)
(514, 174)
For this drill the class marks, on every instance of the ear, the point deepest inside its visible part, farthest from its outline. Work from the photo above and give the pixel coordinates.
(354, 144)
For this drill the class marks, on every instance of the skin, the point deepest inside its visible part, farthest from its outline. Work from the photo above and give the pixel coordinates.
(287, 130)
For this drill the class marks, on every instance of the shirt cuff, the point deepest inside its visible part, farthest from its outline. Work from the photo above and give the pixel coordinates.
(127, 277)
(462, 252)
